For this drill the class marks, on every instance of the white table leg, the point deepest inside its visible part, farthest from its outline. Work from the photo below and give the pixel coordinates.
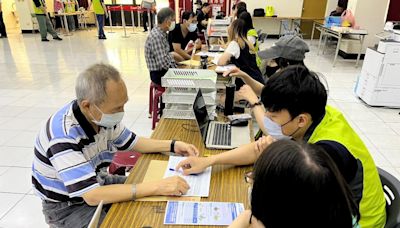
(320, 40)
(362, 37)
(337, 49)
(66, 26)
(312, 33)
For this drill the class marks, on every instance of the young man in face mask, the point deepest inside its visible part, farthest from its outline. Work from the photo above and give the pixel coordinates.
(184, 34)
(295, 101)
(287, 51)
(78, 142)
(157, 52)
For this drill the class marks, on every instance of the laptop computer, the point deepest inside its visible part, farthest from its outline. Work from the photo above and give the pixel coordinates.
(218, 135)
(212, 48)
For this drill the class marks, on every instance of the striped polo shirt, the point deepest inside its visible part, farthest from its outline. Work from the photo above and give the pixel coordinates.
(69, 153)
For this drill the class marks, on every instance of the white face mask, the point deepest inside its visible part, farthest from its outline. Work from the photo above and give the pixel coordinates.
(192, 27)
(274, 129)
(108, 120)
(172, 26)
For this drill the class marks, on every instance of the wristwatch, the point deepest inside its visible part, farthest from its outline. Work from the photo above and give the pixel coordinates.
(255, 104)
(172, 147)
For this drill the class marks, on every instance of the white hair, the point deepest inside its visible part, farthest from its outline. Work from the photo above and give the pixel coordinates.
(91, 84)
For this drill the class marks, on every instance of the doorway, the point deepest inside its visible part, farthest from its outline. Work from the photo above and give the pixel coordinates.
(312, 9)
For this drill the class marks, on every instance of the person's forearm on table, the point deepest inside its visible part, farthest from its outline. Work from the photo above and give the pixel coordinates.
(244, 155)
(145, 145)
(107, 193)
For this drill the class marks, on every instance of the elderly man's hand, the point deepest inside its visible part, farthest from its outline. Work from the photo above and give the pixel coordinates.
(172, 186)
(186, 149)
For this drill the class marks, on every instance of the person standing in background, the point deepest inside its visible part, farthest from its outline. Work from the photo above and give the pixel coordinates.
(70, 7)
(45, 25)
(149, 6)
(3, 32)
(101, 13)
(202, 17)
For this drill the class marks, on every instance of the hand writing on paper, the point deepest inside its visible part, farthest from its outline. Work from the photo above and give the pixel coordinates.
(172, 186)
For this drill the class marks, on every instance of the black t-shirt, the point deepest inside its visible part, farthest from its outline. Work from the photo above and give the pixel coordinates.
(335, 14)
(176, 36)
(201, 17)
(247, 63)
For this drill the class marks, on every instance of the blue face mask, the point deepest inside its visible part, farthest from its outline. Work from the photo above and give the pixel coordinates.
(192, 27)
(274, 129)
(108, 120)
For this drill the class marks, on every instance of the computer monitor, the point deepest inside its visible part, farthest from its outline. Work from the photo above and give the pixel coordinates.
(201, 114)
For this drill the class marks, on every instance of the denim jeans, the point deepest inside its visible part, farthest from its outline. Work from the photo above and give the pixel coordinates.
(100, 21)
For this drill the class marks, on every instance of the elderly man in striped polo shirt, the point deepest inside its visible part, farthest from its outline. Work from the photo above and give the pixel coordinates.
(79, 140)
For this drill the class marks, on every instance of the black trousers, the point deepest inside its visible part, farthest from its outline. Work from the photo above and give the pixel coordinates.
(146, 20)
(2, 26)
(156, 76)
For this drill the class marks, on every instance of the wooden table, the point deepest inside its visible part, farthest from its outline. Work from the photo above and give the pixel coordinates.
(227, 182)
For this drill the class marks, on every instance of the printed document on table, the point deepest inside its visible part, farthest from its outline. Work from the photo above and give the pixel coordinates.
(201, 213)
(199, 183)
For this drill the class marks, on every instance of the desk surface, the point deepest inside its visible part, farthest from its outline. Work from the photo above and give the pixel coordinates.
(227, 182)
(197, 58)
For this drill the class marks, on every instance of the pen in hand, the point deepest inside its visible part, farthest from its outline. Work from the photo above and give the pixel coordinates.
(171, 169)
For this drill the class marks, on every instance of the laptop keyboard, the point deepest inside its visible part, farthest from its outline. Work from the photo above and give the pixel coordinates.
(222, 134)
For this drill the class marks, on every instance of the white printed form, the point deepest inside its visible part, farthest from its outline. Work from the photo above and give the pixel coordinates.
(199, 183)
(201, 213)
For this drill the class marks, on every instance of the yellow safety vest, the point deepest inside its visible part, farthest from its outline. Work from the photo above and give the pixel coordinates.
(37, 9)
(334, 127)
(97, 7)
(70, 6)
(253, 32)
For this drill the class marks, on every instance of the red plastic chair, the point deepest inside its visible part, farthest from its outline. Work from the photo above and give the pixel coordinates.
(156, 92)
(123, 161)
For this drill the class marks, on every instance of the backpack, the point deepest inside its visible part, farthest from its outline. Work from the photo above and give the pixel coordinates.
(259, 12)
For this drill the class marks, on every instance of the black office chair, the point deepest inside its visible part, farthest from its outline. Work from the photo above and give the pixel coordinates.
(391, 188)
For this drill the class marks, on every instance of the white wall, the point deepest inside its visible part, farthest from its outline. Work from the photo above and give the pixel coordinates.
(371, 15)
(283, 8)
(352, 5)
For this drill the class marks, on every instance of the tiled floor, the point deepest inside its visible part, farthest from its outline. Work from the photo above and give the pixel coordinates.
(37, 78)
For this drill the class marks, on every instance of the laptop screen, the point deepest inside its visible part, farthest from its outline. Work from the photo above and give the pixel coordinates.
(200, 111)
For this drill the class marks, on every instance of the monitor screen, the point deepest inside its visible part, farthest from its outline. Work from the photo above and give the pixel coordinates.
(200, 111)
